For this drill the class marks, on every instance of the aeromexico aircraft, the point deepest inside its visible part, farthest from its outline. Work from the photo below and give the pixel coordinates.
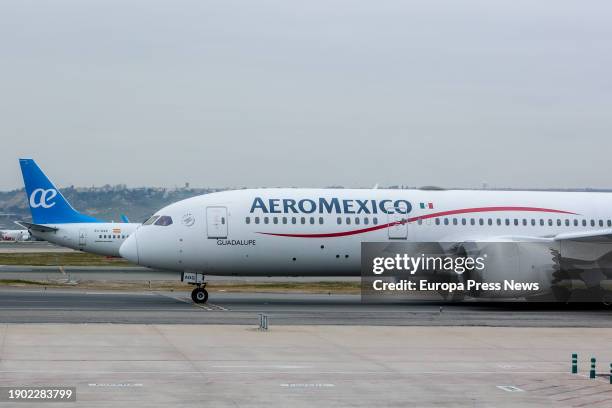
(316, 232)
(54, 219)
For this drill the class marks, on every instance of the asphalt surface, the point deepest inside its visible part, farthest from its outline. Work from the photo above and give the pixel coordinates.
(76, 306)
(149, 365)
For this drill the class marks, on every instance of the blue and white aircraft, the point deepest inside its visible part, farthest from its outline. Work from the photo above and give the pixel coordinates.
(54, 219)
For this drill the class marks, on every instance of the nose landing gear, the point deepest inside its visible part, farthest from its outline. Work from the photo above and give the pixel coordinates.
(200, 294)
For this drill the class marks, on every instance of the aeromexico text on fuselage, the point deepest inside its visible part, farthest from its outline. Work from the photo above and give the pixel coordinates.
(324, 205)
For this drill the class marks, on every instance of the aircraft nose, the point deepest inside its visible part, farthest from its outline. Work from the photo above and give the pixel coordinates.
(129, 249)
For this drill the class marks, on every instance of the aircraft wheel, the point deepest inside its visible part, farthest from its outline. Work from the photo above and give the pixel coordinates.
(199, 295)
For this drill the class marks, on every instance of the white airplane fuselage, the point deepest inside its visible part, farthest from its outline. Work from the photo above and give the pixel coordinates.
(56, 221)
(318, 232)
(100, 238)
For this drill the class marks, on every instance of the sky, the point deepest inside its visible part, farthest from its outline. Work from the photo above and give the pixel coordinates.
(455, 93)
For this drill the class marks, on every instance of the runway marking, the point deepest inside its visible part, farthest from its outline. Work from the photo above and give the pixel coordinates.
(115, 385)
(261, 366)
(308, 385)
(217, 307)
(510, 388)
(211, 307)
(514, 366)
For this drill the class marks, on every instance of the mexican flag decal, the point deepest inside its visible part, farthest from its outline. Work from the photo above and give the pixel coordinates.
(427, 206)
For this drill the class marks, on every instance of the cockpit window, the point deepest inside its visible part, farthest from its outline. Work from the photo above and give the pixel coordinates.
(151, 220)
(164, 221)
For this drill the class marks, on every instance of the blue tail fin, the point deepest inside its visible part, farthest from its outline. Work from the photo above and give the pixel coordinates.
(124, 218)
(47, 204)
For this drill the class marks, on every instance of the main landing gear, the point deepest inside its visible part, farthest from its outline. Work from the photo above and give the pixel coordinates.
(200, 294)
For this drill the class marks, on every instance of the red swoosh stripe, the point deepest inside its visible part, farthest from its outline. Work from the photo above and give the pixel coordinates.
(420, 217)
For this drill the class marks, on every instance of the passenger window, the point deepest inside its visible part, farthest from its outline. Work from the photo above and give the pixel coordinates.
(437, 221)
(320, 220)
(481, 221)
(165, 220)
(339, 220)
(524, 221)
(312, 220)
(609, 223)
(558, 222)
(446, 221)
(454, 221)
(550, 223)
(348, 221)
(567, 223)
(420, 221)
(303, 220)
(247, 220)
(463, 221)
(356, 220)
(284, 220)
(507, 221)
(601, 223)
(266, 220)
(499, 221)
(275, 220)
(575, 223)
(515, 221)
(472, 221)
(584, 223)
(375, 220)
(533, 222)
(592, 223)
(223, 220)
(256, 220)
(490, 221)
(100, 236)
(366, 220)
(293, 220)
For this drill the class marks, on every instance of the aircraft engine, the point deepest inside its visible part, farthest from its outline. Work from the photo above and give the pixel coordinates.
(517, 269)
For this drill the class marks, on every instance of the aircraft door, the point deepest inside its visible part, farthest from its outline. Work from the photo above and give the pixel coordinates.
(216, 222)
(82, 237)
(398, 222)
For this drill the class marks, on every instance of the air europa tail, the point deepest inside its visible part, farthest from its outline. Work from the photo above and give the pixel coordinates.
(47, 204)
